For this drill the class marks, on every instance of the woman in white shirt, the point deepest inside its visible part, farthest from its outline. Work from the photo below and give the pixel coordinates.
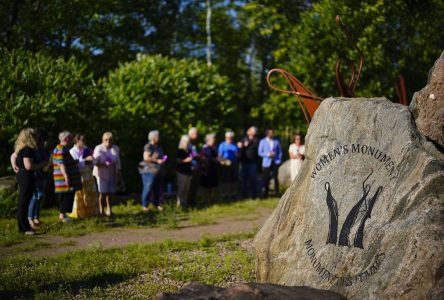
(296, 152)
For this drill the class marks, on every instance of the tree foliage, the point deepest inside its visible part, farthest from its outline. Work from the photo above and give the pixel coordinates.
(396, 37)
(43, 92)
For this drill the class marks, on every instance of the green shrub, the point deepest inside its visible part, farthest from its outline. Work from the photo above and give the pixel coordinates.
(45, 92)
(8, 203)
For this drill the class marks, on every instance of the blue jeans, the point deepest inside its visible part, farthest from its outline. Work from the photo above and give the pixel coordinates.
(34, 205)
(151, 189)
(249, 177)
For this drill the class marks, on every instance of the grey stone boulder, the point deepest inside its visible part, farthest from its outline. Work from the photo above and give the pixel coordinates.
(284, 174)
(8, 183)
(250, 291)
(365, 217)
(428, 105)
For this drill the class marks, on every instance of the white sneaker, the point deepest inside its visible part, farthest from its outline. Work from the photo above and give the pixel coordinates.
(30, 232)
(160, 208)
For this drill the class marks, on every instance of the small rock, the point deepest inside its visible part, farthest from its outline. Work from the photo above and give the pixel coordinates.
(248, 291)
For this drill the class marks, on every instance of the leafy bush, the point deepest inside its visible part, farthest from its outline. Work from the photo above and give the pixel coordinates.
(44, 92)
(8, 203)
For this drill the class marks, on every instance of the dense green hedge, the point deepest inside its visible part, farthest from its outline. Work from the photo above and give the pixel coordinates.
(171, 95)
(45, 92)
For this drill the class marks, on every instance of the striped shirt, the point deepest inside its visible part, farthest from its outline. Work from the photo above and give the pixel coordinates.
(60, 156)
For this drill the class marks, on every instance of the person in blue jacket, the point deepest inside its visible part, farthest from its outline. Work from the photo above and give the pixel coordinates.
(271, 152)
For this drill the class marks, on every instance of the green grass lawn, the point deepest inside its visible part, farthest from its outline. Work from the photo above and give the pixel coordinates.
(129, 215)
(139, 271)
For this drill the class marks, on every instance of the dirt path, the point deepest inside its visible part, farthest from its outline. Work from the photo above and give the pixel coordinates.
(122, 237)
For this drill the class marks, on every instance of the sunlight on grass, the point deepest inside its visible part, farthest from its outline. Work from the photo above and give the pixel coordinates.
(35, 245)
(139, 271)
(67, 243)
(241, 210)
(130, 215)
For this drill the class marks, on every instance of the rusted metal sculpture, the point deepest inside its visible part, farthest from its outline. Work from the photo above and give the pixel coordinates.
(401, 91)
(309, 102)
(344, 89)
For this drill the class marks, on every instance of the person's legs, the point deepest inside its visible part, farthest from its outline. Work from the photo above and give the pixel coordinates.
(102, 186)
(39, 194)
(100, 204)
(233, 180)
(266, 180)
(26, 191)
(181, 188)
(157, 185)
(274, 174)
(252, 178)
(244, 176)
(108, 210)
(186, 188)
(66, 203)
(147, 180)
(111, 189)
(36, 212)
(194, 185)
(31, 208)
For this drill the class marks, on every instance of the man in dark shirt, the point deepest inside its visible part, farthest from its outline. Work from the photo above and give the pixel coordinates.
(248, 163)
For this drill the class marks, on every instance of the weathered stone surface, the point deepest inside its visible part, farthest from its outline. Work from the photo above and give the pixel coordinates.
(365, 215)
(250, 291)
(428, 105)
(8, 183)
(284, 175)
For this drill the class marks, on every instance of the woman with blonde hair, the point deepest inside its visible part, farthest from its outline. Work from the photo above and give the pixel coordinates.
(183, 170)
(106, 168)
(23, 164)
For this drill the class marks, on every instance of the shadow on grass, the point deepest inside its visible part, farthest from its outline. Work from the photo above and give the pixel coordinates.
(71, 287)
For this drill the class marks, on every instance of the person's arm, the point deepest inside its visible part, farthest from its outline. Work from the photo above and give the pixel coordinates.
(97, 158)
(14, 166)
(182, 159)
(302, 152)
(261, 150)
(149, 158)
(279, 151)
(65, 175)
(220, 151)
(118, 161)
(290, 152)
(29, 164)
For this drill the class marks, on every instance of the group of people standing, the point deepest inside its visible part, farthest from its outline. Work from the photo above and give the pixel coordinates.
(73, 166)
(226, 165)
(85, 179)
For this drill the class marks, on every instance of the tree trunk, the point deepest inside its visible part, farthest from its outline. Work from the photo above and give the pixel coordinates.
(208, 28)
